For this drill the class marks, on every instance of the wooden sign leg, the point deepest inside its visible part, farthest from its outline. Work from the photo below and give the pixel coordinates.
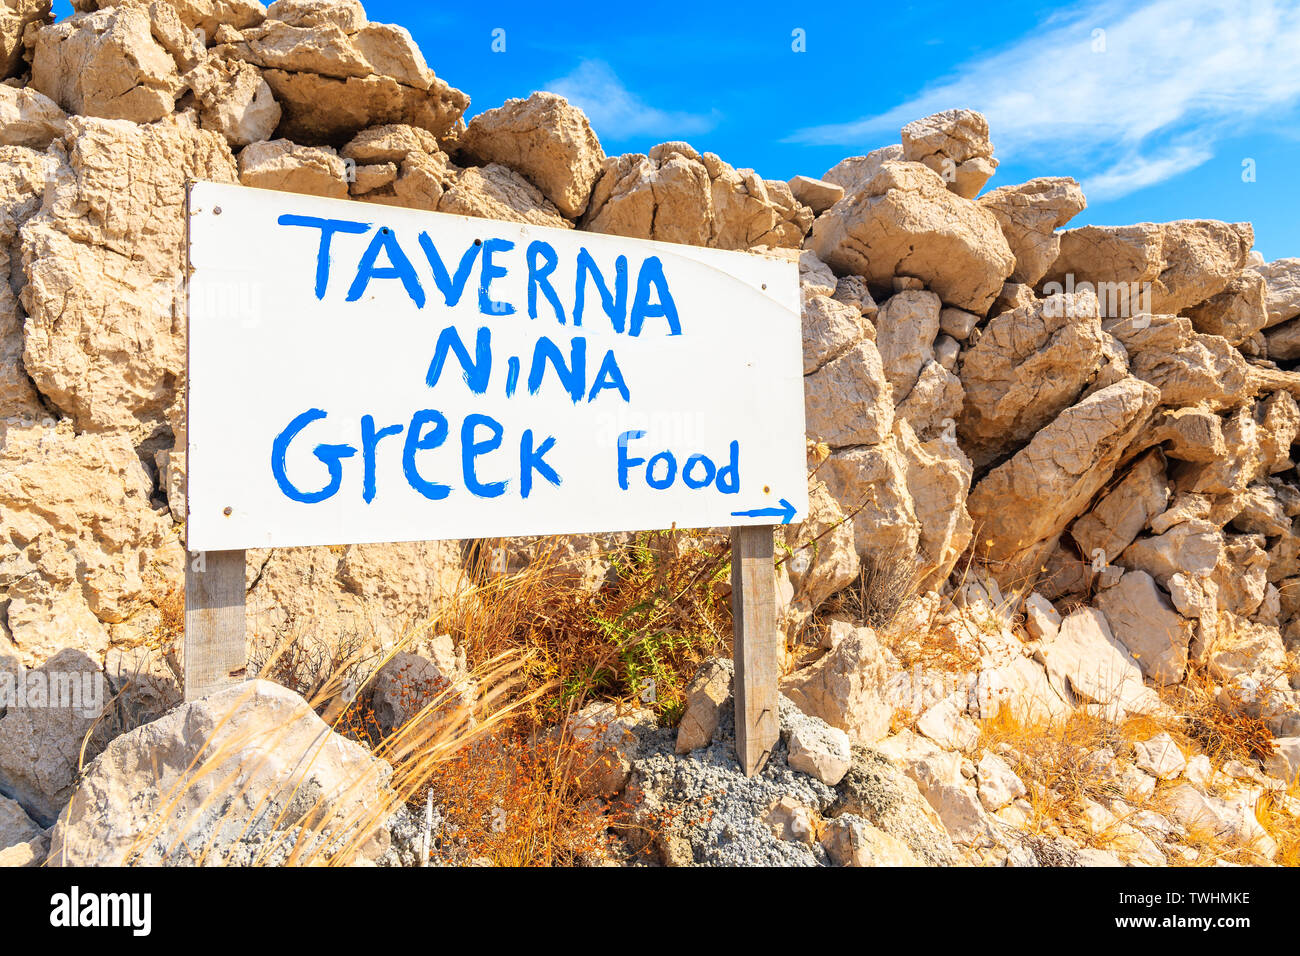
(215, 655)
(755, 647)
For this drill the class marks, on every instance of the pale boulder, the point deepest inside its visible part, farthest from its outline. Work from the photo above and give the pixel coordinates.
(822, 558)
(495, 192)
(676, 194)
(830, 328)
(1087, 661)
(817, 194)
(428, 673)
(851, 172)
(814, 747)
(848, 401)
(1282, 290)
(955, 144)
(165, 792)
(607, 737)
(104, 259)
(1187, 366)
(29, 118)
(1236, 313)
(1029, 365)
(15, 15)
(549, 142)
(1160, 757)
(906, 327)
(82, 543)
(851, 841)
(904, 222)
(947, 726)
(348, 15)
(106, 64)
(284, 166)
(846, 688)
(1029, 215)
(1023, 504)
(234, 100)
(998, 783)
(1125, 510)
(1143, 618)
(41, 745)
(1042, 620)
(23, 174)
(1180, 263)
(706, 695)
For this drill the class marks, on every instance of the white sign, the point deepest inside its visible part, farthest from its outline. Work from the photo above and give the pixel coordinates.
(363, 373)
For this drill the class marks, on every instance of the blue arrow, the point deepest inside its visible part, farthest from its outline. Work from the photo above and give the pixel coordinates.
(785, 512)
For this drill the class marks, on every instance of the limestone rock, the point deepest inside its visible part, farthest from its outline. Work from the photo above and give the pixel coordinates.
(495, 192)
(1029, 365)
(23, 173)
(848, 401)
(937, 398)
(281, 165)
(41, 744)
(948, 727)
(348, 15)
(1089, 662)
(164, 791)
(106, 64)
(815, 748)
(1284, 341)
(851, 841)
(879, 792)
(234, 100)
(870, 483)
(1282, 290)
(1184, 262)
(607, 738)
(830, 328)
(1125, 510)
(1160, 757)
(393, 143)
(845, 688)
(903, 221)
(104, 258)
(906, 327)
(958, 323)
(851, 173)
(998, 783)
(822, 557)
(1042, 620)
(429, 672)
(675, 194)
(1029, 215)
(707, 693)
(361, 597)
(1186, 366)
(82, 543)
(208, 15)
(546, 140)
(15, 825)
(1142, 617)
(817, 194)
(938, 477)
(955, 144)
(29, 118)
(790, 820)
(15, 15)
(1236, 313)
(1025, 502)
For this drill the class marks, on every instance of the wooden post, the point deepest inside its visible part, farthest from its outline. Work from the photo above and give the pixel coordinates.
(755, 647)
(215, 655)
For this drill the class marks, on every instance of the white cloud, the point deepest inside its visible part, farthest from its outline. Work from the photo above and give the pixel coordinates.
(1170, 71)
(617, 113)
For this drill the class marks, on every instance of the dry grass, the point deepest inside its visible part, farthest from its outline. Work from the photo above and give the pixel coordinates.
(639, 638)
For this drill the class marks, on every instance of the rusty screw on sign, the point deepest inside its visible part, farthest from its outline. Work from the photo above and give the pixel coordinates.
(229, 511)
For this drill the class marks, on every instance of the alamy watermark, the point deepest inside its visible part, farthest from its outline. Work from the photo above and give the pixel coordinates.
(1116, 300)
(79, 691)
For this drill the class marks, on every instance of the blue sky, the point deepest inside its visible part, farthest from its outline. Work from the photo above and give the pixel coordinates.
(1154, 106)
